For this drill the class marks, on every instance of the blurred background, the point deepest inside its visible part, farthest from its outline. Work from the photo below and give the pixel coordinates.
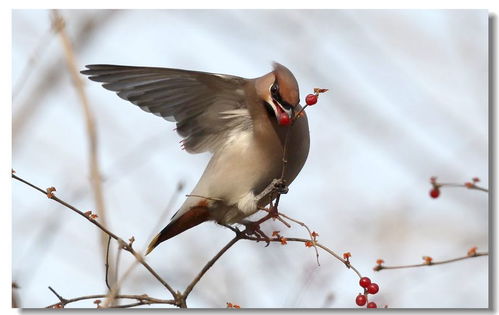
(408, 100)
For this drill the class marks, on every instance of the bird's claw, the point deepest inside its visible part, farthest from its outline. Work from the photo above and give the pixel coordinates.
(253, 228)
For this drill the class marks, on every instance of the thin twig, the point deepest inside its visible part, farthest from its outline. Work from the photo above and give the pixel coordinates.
(283, 168)
(117, 262)
(431, 263)
(476, 187)
(209, 198)
(302, 240)
(61, 299)
(283, 221)
(299, 113)
(284, 153)
(144, 299)
(15, 297)
(312, 238)
(471, 186)
(107, 262)
(111, 296)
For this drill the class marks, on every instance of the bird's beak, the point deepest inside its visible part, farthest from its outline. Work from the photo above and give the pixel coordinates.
(283, 115)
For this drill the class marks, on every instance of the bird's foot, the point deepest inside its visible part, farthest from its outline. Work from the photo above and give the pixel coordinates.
(253, 229)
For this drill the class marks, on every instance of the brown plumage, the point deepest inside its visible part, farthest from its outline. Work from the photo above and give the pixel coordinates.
(241, 121)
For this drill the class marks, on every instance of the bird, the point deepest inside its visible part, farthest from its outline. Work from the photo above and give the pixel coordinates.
(250, 126)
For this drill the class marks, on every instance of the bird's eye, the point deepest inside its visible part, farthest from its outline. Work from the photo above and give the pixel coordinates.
(274, 87)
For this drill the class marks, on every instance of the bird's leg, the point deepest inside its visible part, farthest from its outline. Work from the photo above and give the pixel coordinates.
(272, 213)
(253, 227)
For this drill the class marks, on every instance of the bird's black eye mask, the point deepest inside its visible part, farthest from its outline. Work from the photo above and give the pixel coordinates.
(274, 91)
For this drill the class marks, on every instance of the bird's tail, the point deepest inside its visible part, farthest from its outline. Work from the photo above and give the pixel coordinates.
(191, 218)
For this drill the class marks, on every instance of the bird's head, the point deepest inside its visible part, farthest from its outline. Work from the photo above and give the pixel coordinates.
(279, 92)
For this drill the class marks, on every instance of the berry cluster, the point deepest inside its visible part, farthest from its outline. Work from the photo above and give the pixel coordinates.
(369, 288)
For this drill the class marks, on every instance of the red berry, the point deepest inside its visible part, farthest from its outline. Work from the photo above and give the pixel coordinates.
(361, 300)
(284, 119)
(311, 99)
(373, 288)
(434, 193)
(372, 305)
(364, 282)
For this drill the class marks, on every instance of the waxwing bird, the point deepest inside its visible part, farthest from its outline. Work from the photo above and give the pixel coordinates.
(242, 122)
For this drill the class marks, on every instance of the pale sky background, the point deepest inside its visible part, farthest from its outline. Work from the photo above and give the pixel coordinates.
(408, 100)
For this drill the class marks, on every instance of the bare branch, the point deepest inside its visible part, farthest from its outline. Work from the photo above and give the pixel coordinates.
(468, 185)
(312, 238)
(179, 299)
(107, 262)
(429, 262)
(61, 299)
(302, 240)
(143, 299)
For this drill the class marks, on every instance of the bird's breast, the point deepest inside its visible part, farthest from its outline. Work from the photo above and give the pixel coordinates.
(239, 166)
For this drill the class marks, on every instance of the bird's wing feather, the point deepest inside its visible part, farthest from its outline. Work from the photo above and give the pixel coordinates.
(206, 106)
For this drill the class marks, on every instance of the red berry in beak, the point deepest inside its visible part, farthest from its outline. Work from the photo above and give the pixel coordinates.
(311, 99)
(284, 119)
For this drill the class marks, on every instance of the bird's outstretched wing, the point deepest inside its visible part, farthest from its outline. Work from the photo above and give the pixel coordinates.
(206, 106)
